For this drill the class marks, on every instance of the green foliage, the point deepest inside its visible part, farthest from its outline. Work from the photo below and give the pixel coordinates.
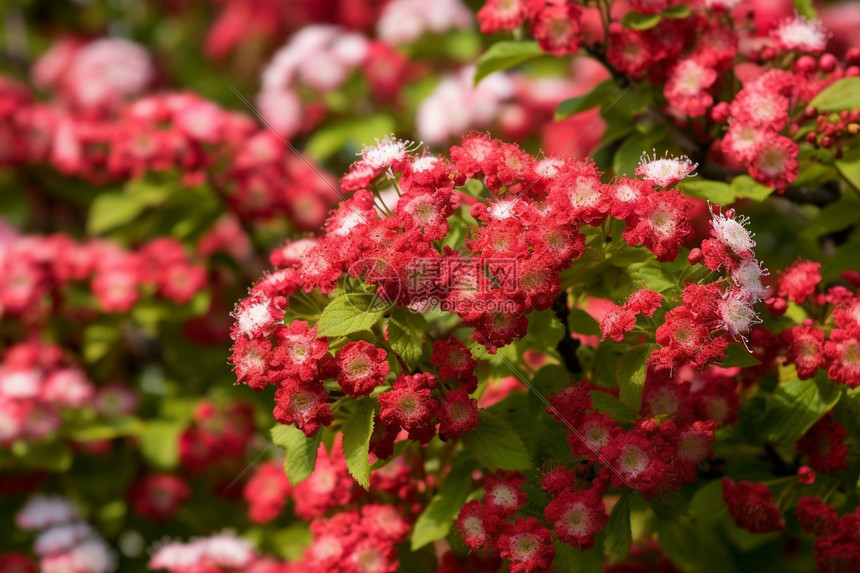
(716, 192)
(406, 331)
(496, 444)
(737, 355)
(301, 451)
(795, 406)
(619, 538)
(349, 313)
(505, 55)
(841, 95)
(436, 520)
(159, 441)
(347, 134)
(356, 438)
(598, 95)
(631, 375)
(114, 209)
(744, 187)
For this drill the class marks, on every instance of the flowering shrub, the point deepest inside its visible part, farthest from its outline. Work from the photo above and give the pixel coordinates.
(514, 285)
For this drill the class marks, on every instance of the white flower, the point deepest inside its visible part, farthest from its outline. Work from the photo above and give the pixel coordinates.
(801, 34)
(387, 151)
(665, 171)
(737, 315)
(60, 538)
(43, 511)
(748, 277)
(732, 232)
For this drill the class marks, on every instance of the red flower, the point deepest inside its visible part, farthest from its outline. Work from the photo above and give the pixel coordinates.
(751, 506)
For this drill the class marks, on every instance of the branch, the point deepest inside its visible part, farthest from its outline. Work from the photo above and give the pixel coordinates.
(567, 345)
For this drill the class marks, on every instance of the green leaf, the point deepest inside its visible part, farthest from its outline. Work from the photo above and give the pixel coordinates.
(834, 217)
(302, 451)
(569, 559)
(357, 430)
(619, 537)
(679, 11)
(713, 191)
(653, 274)
(601, 94)
(115, 209)
(337, 136)
(849, 168)
(52, 456)
(406, 332)
(804, 8)
(707, 504)
(841, 95)
(159, 443)
(505, 55)
(737, 355)
(796, 405)
(496, 444)
(583, 323)
(436, 520)
(631, 375)
(350, 313)
(545, 329)
(611, 405)
(745, 187)
(637, 21)
(99, 338)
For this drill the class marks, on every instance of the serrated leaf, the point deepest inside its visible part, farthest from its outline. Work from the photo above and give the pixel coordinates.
(841, 95)
(796, 405)
(545, 328)
(737, 355)
(505, 55)
(350, 313)
(713, 191)
(159, 443)
(619, 538)
(631, 375)
(436, 520)
(637, 21)
(745, 187)
(301, 458)
(406, 332)
(357, 430)
(600, 94)
(497, 444)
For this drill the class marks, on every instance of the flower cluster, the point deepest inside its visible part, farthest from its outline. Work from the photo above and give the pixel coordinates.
(527, 232)
(36, 382)
(65, 541)
(523, 542)
(837, 540)
(700, 329)
(832, 343)
(40, 268)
